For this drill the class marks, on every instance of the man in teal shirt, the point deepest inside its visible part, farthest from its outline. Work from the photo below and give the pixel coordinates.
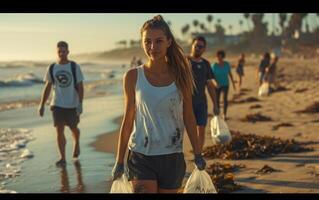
(222, 70)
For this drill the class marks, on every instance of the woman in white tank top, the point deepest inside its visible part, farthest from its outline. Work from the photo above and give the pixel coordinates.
(158, 104)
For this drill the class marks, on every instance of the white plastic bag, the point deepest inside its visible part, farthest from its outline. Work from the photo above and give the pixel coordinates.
(199, 182)
(219, 131)
(264, 89)
(121, 185)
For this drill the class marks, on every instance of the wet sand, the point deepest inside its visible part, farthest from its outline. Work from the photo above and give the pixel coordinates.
(40, 175)
(299, 170)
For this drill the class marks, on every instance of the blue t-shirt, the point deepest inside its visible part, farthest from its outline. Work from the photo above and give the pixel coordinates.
(221, 73)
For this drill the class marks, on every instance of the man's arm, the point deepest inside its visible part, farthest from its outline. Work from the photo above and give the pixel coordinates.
(80, 91)
(211, 90)
(44, 98)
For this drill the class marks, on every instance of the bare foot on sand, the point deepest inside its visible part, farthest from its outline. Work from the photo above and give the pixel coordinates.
(76, 152)
(60, 163)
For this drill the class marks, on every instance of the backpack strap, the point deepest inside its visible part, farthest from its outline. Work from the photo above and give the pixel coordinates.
(73, 69)
(51, 72)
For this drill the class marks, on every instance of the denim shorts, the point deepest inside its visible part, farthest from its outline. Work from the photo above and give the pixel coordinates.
(168, 170)
(201, 113)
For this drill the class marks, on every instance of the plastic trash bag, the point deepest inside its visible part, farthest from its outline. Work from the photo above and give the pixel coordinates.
(121, 185)
(264, 89)
(199, 182)
(219, 131)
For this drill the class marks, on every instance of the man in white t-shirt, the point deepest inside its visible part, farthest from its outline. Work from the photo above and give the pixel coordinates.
(66, 105)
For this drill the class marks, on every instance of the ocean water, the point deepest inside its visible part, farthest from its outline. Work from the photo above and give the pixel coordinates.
(28, 143)
(24, 81)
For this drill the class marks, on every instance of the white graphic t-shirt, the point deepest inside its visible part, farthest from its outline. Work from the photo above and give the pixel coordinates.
(64, 93)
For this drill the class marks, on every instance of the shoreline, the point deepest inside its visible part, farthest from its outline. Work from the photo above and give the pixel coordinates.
(111, 137)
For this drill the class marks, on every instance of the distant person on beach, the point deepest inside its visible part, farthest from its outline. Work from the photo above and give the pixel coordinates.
(66, 105)
(139, 62)
(158, 105)
(271, 71)
(222, 70)
(133, 62)
(203, 76)
(240, 69)
(261, 71)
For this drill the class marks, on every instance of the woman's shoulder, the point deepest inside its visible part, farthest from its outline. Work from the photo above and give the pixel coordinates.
(131, 75)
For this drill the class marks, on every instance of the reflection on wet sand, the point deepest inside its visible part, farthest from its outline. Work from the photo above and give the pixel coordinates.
(65, 185)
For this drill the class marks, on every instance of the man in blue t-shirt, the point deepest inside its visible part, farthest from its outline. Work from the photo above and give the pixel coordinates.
(203, 76)
(222, 70)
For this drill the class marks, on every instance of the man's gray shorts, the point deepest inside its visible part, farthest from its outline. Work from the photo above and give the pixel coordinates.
(168, 170)
(65, 116)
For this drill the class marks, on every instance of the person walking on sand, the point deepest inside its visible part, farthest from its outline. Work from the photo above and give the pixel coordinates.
(240, 69)
(203, 76)
(271, 71)
(133, 62)
(158, 105)
(222, 70)
(261, 71)
(66, 104)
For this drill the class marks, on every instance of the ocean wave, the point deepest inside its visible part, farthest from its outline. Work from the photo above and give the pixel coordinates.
(13, 152)
(23, 64)
(21, 80)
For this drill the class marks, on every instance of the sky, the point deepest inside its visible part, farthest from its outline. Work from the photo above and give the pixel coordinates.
(34, 36)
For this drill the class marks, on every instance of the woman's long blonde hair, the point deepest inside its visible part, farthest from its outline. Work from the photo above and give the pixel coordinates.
(178, 64)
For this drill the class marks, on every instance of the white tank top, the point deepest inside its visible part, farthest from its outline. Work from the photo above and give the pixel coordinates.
(158, 127)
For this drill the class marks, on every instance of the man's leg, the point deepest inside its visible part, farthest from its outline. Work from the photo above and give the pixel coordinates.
(61, 142)
(225, 95)
(218, 97)
(76, 141)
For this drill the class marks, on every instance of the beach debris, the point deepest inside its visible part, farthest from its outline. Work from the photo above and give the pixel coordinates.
(301, 90)
(314, 108)
(300, 165)
(256, 117)
(247, 100)
(245, 90)
(222, 175)
(267, 170)
(276, 127)
(218, 167)
(298, 134)
(278, 89)
(255, 106)
(26, 154)
(248, 146)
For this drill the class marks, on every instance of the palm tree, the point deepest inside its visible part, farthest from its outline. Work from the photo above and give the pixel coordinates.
(122, 44)
(185, 29)
(196, 23)
(210, 20)
(203, 27)
(241, 25)
(230, 27)
(282, 20)
(246, 16)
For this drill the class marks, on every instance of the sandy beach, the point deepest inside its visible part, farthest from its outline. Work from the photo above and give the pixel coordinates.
(299, 171)
(103, 115)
